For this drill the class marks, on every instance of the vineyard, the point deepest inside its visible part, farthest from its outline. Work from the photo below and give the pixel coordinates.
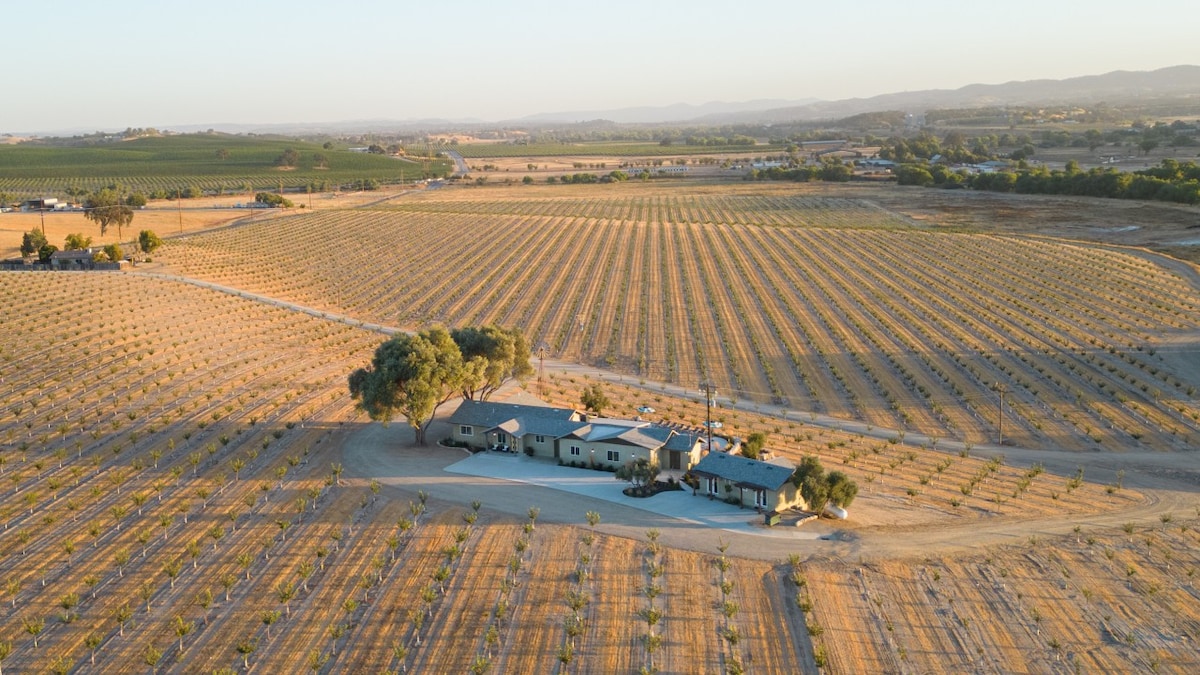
(149, 165)
(819, 304)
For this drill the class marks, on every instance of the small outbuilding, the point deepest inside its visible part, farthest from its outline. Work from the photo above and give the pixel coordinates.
(766, 486)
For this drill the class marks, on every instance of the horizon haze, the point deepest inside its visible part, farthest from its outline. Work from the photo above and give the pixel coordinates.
(276, 62)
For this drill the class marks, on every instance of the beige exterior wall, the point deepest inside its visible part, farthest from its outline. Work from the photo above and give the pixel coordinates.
(476, 438)
(543, 449)
(787, 497)
(596, 453)
(686, 459)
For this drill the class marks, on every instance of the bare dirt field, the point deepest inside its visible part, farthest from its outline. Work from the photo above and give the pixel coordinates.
(1168, 228)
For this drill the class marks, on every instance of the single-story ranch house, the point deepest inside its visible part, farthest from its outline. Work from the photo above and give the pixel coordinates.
(570, 436)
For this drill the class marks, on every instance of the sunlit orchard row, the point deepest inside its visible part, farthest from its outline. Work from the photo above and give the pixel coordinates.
(174, 500)
(1116, 600)
(658, 207)
(903, 328)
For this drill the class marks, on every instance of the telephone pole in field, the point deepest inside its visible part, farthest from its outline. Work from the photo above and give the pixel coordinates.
(709, 391)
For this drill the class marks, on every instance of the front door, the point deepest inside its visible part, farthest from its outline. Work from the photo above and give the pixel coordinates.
(675, 461)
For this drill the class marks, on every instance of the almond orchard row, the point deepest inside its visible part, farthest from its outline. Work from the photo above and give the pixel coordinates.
(813, 303)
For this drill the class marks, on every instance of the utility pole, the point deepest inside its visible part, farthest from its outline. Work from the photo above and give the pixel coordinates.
(1001, 390)
(542, 348)
(709, 391)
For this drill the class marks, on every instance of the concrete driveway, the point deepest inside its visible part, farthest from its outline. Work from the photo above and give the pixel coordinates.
(602, 485)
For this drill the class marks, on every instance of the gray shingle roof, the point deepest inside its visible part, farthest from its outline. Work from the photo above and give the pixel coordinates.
(681, 442)
(539, 426)
(743, 471)
(488, 414)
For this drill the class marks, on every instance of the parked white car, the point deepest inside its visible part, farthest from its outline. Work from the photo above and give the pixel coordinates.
(645, 410)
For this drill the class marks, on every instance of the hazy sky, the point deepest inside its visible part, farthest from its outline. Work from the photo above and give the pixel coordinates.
(87, 64)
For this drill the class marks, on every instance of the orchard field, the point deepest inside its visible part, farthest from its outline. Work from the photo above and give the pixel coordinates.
(173, 500)
(181, 490)
(779, 296)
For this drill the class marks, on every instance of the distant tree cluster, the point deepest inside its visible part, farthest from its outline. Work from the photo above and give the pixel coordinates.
(365, 184)
(754, 445)
(272, 199)
(32, 242)
(77, 242)
(1170, 181)
(148, 242)
(576, 178)
(288, 158)
(736, 139)
(831, 171)
(594, 399)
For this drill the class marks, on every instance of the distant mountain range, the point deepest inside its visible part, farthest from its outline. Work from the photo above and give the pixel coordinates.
(1114, 88)
(679, 112)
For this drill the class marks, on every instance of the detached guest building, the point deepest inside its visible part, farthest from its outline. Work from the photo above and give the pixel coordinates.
(763, 485)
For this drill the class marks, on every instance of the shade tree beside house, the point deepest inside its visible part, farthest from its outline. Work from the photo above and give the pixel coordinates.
(413, 375)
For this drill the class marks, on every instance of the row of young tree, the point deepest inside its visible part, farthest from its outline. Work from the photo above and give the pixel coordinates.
(1170, 181)
(412, 375)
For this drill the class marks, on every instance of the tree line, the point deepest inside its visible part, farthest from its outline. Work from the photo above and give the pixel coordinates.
(1170, 181)
(832, 171)
(34, 242)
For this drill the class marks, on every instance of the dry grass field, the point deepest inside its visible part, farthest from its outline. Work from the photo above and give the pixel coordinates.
(178, 492)
(165, 218)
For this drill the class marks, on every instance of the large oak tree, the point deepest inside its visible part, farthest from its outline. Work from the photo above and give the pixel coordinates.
(410, 375)
(494, 355)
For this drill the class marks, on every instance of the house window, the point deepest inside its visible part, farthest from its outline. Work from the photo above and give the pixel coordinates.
(466, 430)
(540, 439)
(575, 451)
(614, 455)
(712, 486)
